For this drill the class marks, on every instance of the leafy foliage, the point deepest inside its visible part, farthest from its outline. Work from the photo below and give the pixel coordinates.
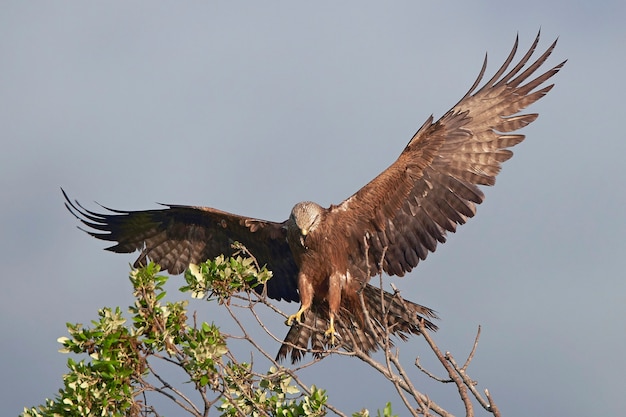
(114, 378)
(270, 394)
(103, 386)
(223, 277)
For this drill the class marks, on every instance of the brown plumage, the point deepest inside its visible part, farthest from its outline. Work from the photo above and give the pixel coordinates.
(324, 258)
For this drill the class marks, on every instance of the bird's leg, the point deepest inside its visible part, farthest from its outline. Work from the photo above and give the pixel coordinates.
(334, 303)
(330, 332)
(306, 299)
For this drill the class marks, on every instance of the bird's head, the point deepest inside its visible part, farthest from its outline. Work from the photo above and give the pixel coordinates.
(306, 216)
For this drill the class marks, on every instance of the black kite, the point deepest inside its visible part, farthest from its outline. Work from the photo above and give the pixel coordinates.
(325, 257)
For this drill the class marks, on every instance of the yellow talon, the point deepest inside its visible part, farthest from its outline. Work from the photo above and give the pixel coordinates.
(297, 317)
(331, 332)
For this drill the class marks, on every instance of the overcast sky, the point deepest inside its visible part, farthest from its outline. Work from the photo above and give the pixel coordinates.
(251, 107)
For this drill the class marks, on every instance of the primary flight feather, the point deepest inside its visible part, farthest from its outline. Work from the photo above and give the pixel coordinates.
(324, 257)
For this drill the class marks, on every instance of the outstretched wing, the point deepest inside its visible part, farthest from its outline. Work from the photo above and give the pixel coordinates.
(176, 236)
(433, 186)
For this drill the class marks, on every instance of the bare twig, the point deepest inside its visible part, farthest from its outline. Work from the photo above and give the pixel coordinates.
(430, 374)
(471, 355)
(492, 407)
(186, 404)
(469, 408)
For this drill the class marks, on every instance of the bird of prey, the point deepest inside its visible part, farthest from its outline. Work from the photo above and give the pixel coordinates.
(325, 257)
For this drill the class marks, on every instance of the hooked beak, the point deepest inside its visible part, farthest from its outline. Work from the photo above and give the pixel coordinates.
(303, 233)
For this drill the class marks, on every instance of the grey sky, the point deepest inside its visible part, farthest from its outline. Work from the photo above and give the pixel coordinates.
(251, 107)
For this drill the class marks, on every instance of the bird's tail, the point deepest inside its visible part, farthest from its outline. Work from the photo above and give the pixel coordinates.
(384, 312)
